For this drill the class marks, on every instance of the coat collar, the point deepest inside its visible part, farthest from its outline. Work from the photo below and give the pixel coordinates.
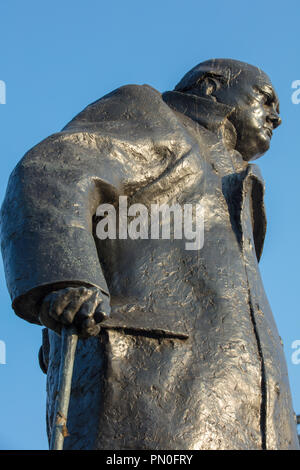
(209, 114)
(255, 184)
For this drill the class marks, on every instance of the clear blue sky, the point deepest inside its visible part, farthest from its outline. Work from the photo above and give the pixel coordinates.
(58, 56)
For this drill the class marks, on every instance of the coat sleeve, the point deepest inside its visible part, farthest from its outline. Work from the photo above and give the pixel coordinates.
(47, 235)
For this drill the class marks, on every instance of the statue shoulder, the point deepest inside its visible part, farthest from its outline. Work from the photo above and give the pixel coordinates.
(126, 102)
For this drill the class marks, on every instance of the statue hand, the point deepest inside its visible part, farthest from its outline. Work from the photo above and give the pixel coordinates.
(84, 307)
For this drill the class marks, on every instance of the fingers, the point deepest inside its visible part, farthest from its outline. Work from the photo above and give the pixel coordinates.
(66, 302)
(84, 319)
(102, 311)
(84, 307)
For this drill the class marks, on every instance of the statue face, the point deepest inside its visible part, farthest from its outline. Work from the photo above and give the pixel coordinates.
(255, 115)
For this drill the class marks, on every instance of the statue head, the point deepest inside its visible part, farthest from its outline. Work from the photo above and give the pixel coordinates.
(248, 90)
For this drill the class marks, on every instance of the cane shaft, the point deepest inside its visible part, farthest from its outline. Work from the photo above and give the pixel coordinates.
(69, 340)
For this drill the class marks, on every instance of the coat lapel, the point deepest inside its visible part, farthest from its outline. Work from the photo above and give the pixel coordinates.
(253, 187)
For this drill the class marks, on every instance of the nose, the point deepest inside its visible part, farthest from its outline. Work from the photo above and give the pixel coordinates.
(274, 119)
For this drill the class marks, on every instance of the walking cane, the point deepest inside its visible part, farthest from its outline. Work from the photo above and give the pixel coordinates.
(59, 430)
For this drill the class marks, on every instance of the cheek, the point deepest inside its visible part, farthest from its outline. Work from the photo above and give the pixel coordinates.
(260, 114)
(249, 120)
(255, 118)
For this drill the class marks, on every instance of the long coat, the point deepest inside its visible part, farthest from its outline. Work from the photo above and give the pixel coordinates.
(190, 357)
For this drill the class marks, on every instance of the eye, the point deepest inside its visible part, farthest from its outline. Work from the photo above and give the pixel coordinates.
(264, 96)
(268, 99)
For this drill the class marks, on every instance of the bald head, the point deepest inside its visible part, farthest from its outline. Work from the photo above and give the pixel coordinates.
(227, 71)
(248, 90)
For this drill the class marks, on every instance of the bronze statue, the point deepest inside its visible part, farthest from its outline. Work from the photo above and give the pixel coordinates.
(178, 348)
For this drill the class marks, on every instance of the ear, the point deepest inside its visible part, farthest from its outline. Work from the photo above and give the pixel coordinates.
(209, 86)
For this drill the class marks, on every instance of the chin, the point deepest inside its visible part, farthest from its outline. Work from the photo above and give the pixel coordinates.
(257, 151)
(263, 147)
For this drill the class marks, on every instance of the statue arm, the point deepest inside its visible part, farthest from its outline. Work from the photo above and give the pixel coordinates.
(46, 221)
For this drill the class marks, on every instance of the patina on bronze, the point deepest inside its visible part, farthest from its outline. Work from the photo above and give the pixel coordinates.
(189, 356)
